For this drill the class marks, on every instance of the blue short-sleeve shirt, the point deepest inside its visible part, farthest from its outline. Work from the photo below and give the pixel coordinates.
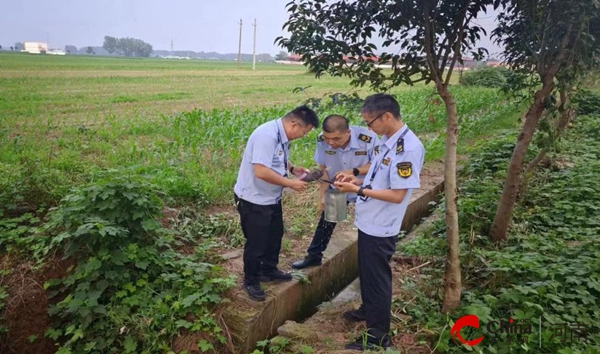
(358, 152)
(397, 165)
(269, 146)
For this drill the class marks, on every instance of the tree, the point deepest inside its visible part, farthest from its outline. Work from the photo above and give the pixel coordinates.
(282, 55)
(89, 50)
(71, 49)
(12, 48)
(432, 36)
(127, 46)
(0, 47)
(551, 44)
(110, 44)
(19, 46)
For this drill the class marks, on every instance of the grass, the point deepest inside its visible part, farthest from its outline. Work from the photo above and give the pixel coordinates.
(83, 89)
(182, 123)
(65, 121)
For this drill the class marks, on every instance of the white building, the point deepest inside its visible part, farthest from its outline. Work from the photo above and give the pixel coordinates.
(35, 47)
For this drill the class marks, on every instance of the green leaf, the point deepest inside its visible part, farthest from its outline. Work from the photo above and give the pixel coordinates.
(204, 346)
(129, 344)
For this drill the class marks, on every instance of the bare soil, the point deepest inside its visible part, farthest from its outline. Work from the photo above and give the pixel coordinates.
(26, 312)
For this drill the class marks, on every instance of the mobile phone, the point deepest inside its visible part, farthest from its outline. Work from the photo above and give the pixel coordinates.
(327, 181)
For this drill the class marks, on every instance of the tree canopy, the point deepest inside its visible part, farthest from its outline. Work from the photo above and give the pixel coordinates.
(337, 38)
(127, 46)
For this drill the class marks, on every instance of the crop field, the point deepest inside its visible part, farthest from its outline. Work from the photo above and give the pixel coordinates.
(100, 125)
(182, 123)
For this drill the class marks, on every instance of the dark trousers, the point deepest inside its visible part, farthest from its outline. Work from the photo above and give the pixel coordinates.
(321, 238)
(262, 226)
(374, 256)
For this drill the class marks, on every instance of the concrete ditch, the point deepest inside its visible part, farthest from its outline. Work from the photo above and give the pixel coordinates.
(249, 322)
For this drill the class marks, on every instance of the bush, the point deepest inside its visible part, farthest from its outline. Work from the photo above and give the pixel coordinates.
(587, 102)
(488, 76)
(130, 292)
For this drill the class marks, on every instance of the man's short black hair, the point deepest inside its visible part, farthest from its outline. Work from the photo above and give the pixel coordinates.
(304, 114)
(381, 103)
(335, 123)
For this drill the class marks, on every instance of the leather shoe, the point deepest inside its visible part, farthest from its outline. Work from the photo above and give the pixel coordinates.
(308, 261)
(370, 342)
(356, 315)
(276, 275)
(255, 292)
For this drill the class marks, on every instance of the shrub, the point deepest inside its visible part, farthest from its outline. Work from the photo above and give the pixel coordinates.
(129, 292)
(495, 77)
(587, 102)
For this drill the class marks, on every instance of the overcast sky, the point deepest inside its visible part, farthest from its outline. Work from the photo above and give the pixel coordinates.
(198, 25)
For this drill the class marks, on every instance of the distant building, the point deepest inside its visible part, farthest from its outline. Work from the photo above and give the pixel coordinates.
(35, 47)
(56, 52)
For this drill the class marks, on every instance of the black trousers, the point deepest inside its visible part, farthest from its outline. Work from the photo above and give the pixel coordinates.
(374, 256)
(262, 226)
(321, 238)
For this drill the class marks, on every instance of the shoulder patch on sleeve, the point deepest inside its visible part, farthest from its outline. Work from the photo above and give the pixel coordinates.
(404, 169)
(320, 137)
(365, 138)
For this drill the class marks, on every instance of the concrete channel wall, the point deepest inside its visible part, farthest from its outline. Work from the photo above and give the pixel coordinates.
(249, 322)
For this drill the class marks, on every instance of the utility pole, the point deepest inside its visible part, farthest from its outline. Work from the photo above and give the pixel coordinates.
(254, 48)
(171, 46)
(240, 45)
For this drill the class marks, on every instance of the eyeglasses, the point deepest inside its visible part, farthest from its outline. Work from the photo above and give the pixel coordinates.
(368, 124)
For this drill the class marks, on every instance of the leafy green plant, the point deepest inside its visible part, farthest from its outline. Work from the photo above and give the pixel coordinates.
(272, 346)
(20, 236)
(587, 102)
(546, 273)
(494, 77)
(130, 291)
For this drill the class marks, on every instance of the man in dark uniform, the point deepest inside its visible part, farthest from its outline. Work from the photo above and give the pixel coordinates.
(383, 197)
(261, 179)
(340, 149)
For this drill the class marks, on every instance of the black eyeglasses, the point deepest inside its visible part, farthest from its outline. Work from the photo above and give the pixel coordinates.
(371, 122)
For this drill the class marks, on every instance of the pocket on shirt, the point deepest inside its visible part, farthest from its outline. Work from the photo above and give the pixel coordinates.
(277, 160)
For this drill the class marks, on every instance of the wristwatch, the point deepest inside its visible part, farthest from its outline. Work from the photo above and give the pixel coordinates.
(360, 192)
(355, 171)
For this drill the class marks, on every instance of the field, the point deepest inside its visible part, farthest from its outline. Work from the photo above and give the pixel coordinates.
(70, 124)
(184, 123)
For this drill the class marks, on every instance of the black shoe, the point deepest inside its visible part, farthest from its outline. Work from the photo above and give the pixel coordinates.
(370, 342)
(275, 275)
(255, 292)
(356, 315)
(308, 261)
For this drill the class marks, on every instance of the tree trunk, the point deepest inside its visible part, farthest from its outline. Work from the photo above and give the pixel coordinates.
(452, 278)
(499, 231)
(564, 119)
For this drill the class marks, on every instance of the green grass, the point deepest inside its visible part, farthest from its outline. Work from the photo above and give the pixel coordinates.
(183, 123)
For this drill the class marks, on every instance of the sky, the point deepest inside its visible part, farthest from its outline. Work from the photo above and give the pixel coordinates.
(198, 25)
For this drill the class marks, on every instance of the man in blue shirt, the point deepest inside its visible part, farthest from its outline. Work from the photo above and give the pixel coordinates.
(261, 179)
(383, 197)
(340, 149)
